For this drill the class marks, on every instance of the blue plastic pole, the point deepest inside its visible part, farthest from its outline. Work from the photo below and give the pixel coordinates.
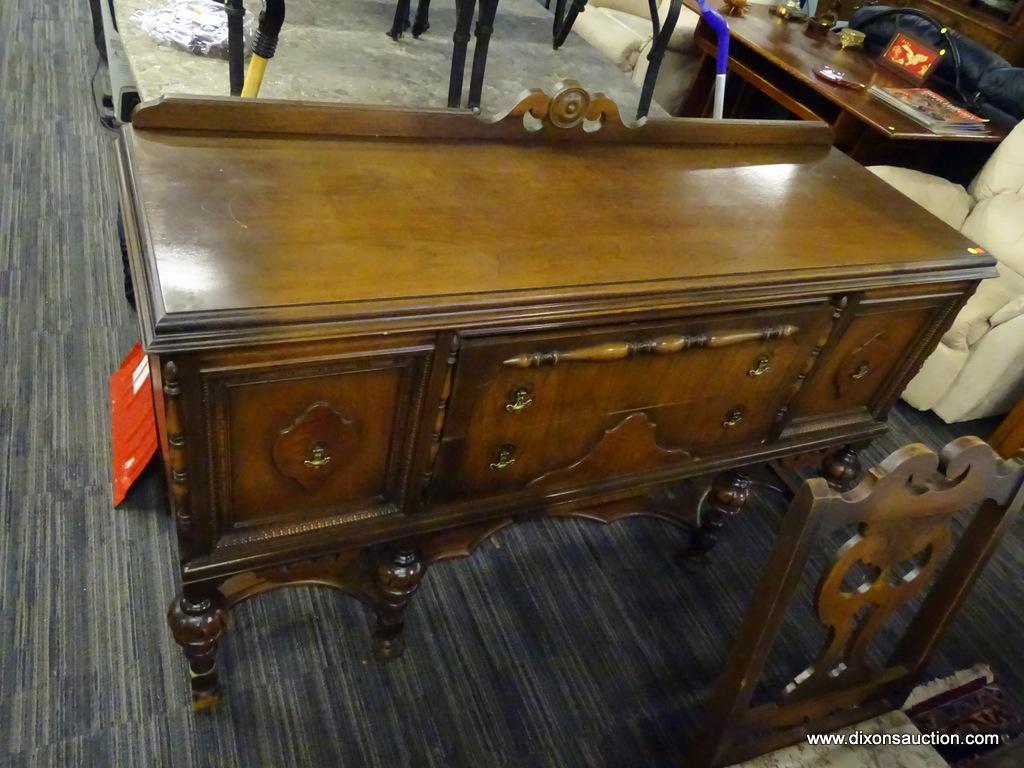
(717, 22)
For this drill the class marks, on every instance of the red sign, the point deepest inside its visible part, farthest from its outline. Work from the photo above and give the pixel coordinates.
(133, 420)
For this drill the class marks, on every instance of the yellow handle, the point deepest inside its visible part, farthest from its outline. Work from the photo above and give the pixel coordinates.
(254, 77)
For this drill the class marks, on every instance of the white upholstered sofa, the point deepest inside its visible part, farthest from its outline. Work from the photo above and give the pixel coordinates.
(621, 29)
(978, 368)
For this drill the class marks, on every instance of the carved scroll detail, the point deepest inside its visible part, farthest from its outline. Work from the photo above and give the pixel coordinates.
(311, 448)
(661, 345)
(177, 455)
(631, 442)
(570, 105)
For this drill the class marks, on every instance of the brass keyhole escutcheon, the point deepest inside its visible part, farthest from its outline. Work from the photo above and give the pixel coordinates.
(318, 457)
(519, 399)
(860, 371)
(761, 366)
(733, 417)
(506, 457)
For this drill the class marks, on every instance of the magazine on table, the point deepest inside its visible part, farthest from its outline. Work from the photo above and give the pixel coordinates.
(935, 112)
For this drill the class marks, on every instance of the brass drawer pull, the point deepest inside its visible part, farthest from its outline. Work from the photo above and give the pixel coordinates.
(506, 457)
(860, 371)
(761, 366)
(519, 400)
(733, 417)
(318, 457)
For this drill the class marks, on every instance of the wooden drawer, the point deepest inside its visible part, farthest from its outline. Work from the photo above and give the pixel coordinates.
(556, 410)
(301, 441)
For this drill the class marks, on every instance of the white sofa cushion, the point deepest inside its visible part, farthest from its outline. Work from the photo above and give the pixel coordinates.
(674, 78)
(973, 321)
(944, 199)
(997, 223)
(615, 34)
(639, 8)
(933, 381)
(1004, 171)
(1009, 311)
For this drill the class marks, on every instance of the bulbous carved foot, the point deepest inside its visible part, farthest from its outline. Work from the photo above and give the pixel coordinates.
(842, 469)
(728, 494)
(196, 622)
(396, 579)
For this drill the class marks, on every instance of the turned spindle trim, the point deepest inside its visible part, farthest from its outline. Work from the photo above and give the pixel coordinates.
(439, 419)
(661, 345)
(177, 457)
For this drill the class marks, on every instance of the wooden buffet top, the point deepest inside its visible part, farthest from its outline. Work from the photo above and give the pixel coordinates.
(266, 215)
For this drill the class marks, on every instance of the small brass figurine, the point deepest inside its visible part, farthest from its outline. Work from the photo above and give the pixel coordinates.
(850, 38)
(735, 8)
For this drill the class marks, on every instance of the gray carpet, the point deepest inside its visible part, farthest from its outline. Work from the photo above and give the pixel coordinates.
(558, 644)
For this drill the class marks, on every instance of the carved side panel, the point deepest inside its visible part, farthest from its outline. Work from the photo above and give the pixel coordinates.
(864, 360)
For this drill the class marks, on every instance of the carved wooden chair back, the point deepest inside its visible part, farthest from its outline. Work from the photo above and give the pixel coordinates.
(903, 510)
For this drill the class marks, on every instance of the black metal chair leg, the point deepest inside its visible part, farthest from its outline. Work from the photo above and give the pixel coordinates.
(401, 22)
(422, 23)
(464, 18)
(562, 27)
(658, 48)
(236, 45)
(484, 27)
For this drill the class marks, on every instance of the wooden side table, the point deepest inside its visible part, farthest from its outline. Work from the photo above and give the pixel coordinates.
(778, 59)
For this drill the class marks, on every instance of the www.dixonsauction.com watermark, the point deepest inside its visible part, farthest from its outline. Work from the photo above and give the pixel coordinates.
(933, 739)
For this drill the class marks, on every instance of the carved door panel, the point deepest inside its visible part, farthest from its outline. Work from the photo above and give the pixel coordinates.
(298, 444)
(544, 411)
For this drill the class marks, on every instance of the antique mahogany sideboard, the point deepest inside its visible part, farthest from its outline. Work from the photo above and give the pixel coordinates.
(379, 335)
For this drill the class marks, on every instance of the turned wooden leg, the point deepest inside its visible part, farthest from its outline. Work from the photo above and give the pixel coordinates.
(397, 577)
(196, 618)
(729, 493)
(842, 468)
(463, 21)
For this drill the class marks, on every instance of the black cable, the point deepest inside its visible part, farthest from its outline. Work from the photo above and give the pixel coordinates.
(107, 121)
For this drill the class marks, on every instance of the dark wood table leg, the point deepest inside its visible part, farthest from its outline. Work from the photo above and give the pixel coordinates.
(464, 18)
(196, 618)
(563, 22)
(484, 27)
(236, 45)
(729, 493)
(401, 20)
(658, 48)
(422, 22)
(396, 579)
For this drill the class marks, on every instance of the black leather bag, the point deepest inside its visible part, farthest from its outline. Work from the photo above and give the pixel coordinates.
(983, 80)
